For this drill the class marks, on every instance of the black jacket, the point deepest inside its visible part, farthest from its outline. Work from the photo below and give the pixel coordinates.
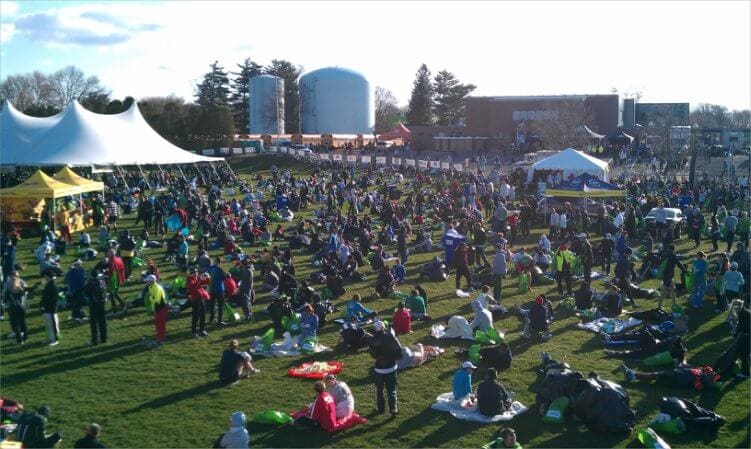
(89, 441)
(49, 297)
(385, 349)
(492, 398)
(95, 291)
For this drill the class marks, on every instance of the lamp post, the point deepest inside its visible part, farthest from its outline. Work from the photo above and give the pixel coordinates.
(692, 169)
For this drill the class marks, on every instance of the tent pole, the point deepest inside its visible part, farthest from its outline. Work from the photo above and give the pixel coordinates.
(230, 168)
(181, 170)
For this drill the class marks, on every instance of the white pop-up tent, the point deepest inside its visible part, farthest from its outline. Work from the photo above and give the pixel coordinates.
(572, 162)
(79, 137)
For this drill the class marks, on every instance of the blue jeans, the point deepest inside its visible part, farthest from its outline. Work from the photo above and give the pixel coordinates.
(388, 381)
(697, 296)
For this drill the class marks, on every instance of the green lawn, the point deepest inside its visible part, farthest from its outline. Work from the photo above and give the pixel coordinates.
(171, 398)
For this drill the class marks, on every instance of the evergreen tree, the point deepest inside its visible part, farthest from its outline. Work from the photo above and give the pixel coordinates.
(449, 101)
(420, 107)
(241, 93)
(290, 73)
(213, 91)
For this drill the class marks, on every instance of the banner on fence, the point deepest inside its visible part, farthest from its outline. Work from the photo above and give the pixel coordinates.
(445, 165)
(365, 159)
(422, 164)
(209, 152)
(435, 164)
(273, 149)
(301, 153)
(396, 161)
(337, 157)
(458, 167)
(351, 158)
(381, 160)
(324, 156)
(237, 151)
(410, 162)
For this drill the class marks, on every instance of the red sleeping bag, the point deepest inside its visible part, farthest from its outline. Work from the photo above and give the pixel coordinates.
(302, 370)
(324, 412)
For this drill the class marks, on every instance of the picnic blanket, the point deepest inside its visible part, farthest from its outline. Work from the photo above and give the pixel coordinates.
(609, 325)
(315, 370)
(353, 420)
(285, 348)
(445, 403)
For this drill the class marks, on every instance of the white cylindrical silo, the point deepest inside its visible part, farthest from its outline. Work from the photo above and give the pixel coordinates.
(266, 105)
(337, 101)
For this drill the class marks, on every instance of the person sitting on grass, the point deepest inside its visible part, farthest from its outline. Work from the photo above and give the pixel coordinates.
(357, 310)
(31, 429)
(681, 377)
(416, 305)
(612, 304)
(308, 324)
(237, 436)
(538, 318)
(90, 438)
(343, 398)
(322, 412)
(483, 319)
(492, 398)
(507, 440)
(353, 336)
(385, 283)
(461, 385)
(402, 320)
(235, 364)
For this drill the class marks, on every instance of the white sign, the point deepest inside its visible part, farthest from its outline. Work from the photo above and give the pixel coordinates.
(324, 156)
(422, 164)
(273, 150)
(396, 161)
(435, 164)
(337, 157)
(351, 158)
(237, 151)
(365, 159)
(224, 150)
(458, 167)
(285, 150)
(445, 165)
(381, 160)
(410, 162)
(302, 152)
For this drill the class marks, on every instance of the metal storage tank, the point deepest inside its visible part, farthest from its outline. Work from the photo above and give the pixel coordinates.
(337, 101)
(266, 113)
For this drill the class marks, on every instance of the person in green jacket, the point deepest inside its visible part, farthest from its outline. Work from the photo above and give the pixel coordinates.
(506, 440)
(416, 304)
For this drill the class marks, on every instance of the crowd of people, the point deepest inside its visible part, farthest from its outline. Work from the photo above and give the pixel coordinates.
(363, 223)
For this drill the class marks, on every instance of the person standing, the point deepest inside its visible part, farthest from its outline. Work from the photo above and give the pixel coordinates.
(481, 239)
(700, 267)
(607, 245)
(91, 438)
(216, 291)
(461, 262)
(75, 279)
(732, 281)
(113, 213)
(156, 301)
(49, 308)
(386, 351)
(586, 256)
(246, 293)
(562, 265)
(669, 262)
(728, 229)
(116, 273)
(97, 297)
(555, 221)
(14, 295)
(499, 271)
(197, 297)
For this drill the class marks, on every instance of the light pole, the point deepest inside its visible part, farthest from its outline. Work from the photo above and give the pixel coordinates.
(692, 169)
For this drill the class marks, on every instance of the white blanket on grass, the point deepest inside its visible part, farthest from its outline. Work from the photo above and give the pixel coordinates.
(619, 325)
(285, 348)
(445, 403)
(458, 327)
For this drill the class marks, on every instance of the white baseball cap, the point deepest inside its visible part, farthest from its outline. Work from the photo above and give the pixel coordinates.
(468, 364)
(379, 326)
(150, 278)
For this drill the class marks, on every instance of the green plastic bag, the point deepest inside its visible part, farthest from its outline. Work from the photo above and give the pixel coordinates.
(690, 281)
(474, 354)
(588, 315)
(231, 315)
(484, 337)
(661, 358)
(494, 335)
(676, 426)
(268, 338)
(272, 417)
(292, 325)
(556, 413)
(576, 266)
(545, 280)
(308, 345)
(650, 439)
(327, 294)
(523, 282)
(178, 282)
(137, 262)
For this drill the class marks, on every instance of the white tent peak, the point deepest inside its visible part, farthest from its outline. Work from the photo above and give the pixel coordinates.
(79, 137)
(571, 162)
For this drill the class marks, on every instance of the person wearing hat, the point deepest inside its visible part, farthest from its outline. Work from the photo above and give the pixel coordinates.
(90, 438)
(386, 351)
(700, 267)
(237, 436)
(562, 261)
(492, 398)
(31, 429)
(538, 318)
(343, 398)
(461, 384)
(96, 293)
(733, 281)
(156, 301)
(49, 308)
(75, 279)
(607, 245)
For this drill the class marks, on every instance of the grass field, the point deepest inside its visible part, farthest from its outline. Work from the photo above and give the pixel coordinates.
(170, 397)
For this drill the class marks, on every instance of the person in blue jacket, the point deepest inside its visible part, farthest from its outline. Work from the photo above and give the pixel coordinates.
(308, 323)
(216, 290)
(357, 310)
(461, 385)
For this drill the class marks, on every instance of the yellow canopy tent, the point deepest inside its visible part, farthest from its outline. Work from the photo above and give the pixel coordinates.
(68, 176)
(37, 187)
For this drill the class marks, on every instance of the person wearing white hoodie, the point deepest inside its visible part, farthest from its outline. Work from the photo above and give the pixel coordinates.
(483, 318)
(237, 436)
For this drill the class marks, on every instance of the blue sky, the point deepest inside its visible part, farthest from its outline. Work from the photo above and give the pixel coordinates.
(670, 51)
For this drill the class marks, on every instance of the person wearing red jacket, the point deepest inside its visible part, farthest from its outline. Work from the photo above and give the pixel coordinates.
(116, 273)
(197, 297)
(322, 412)
(183, 216)
(461, 262)
(402, 320)
(230, 288)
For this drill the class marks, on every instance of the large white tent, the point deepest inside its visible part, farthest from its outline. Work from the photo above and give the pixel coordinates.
(79, 137)
(572, 162)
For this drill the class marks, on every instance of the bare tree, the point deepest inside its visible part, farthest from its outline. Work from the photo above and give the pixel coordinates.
(386, 109)
(70, 84)
(558, 125)
(17, 90)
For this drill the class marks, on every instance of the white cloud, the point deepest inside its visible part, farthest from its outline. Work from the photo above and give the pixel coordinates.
(8, 9)
(7, 30)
